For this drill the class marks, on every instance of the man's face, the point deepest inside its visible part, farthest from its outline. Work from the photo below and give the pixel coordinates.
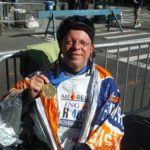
(76, 48)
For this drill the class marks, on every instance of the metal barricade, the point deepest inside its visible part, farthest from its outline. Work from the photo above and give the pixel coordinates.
(131, 73)
(11, 13)
(9, 69)
(132, 77)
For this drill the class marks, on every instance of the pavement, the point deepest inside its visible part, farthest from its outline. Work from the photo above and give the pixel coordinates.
(24, 36)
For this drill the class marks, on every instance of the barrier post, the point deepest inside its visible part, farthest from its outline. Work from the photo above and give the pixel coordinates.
(1, 27)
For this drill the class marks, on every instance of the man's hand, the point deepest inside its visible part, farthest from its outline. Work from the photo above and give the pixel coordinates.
(36, 84)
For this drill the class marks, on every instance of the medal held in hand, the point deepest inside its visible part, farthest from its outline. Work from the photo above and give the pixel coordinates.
(48, 90)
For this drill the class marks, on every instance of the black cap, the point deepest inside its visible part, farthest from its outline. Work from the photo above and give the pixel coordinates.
(76, 23)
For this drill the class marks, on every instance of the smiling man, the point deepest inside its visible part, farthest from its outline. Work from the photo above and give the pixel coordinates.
(85, 112)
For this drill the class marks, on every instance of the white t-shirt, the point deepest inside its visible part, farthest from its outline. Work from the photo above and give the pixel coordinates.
(73, 105)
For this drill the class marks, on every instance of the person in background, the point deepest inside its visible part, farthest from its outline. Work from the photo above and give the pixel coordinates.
(72, 4)
(138, 4)
(78, 4)
(84, 4)
(80, 98)
(148, 5)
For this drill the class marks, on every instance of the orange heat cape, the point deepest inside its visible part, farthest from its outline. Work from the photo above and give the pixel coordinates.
(106, 130)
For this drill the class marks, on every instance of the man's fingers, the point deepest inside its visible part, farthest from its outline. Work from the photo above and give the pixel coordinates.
(36, 84)
(44, 78)
(41, 78)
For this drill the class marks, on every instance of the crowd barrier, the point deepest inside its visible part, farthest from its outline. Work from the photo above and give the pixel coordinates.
(52, 15)
(13, 13)
(132, 77)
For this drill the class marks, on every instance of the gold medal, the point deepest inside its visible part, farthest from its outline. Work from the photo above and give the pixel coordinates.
(48, 90)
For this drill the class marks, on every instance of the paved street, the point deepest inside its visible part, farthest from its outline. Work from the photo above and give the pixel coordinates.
(24, 36)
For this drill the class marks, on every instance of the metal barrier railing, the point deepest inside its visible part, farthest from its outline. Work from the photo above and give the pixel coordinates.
(18, 12)
(132, 77)
(9, 69)
(127, 61)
